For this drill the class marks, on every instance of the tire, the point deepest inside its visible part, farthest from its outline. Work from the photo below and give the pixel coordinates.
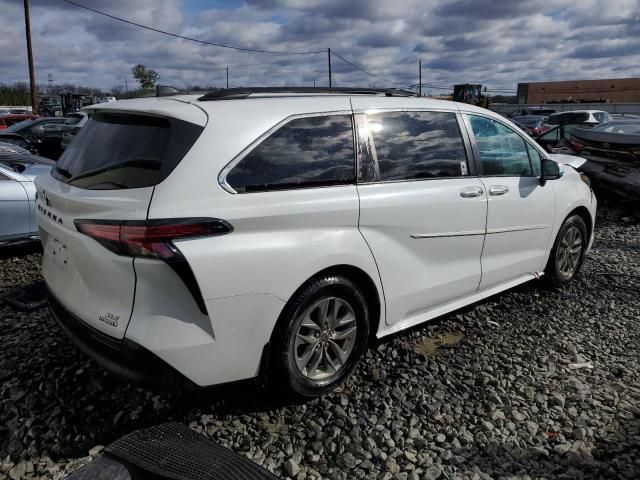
(301, 339)
(568, 250)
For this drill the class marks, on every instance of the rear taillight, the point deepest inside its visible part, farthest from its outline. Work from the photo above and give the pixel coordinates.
(154, 239)
(577, 146)
(535, 131)
(150, 238)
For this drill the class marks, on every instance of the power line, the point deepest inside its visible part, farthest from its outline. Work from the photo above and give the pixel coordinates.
(244, 49)
(362, 69)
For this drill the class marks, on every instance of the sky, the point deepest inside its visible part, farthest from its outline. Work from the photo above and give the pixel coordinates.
(497, 43)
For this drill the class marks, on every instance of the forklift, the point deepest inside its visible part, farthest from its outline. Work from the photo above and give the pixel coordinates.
(471, 93)
(74, 102)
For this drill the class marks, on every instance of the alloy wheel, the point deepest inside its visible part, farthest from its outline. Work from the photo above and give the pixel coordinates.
(325, 338)
(569, 252)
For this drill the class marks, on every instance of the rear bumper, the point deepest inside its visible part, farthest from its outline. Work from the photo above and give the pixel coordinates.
(125, 358)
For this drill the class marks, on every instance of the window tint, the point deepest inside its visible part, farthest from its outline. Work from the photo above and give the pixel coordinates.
(502, 151)
(116, 150)
(416, 145)
(306, 152)
(536, 160)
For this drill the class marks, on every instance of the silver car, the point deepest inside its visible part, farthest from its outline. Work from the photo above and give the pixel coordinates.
(18, 169)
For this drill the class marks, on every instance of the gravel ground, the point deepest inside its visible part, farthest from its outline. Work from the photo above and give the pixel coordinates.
(543, 384)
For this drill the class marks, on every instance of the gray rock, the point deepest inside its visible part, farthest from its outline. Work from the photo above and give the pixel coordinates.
(432, 473)
(292, 468)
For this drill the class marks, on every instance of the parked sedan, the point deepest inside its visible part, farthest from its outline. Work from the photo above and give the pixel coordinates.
(18, 169)
(40, 135)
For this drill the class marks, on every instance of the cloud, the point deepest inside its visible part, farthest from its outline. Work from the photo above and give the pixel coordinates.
(497, 43)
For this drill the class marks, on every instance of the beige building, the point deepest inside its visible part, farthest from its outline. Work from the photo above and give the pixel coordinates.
(618, 90)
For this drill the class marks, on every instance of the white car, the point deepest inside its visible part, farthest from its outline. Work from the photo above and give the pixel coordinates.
(274, 233)
(587, 118)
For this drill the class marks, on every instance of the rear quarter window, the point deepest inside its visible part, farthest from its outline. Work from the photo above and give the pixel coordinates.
(120, 150)
(303, 153)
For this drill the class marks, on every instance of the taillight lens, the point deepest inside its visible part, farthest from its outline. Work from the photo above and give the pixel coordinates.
(577, 146)
(150, 238)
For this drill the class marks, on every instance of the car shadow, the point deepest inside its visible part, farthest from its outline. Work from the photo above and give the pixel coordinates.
(20, 249)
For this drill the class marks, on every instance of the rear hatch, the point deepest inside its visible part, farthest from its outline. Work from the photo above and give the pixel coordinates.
(620, 148)
(106, 176)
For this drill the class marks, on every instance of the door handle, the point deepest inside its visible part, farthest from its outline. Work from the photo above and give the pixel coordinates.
(471, 192)
(496, 190)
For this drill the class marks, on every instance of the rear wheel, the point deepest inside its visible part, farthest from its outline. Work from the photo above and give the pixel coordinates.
(568, 250)
(320, 336)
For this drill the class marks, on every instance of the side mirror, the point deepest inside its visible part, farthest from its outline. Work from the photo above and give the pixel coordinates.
(550, 171)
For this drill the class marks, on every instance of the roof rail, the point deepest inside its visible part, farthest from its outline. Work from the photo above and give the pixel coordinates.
(236, 93)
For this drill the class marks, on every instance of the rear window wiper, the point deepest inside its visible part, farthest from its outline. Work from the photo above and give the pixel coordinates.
(138, 162)
(63, 171)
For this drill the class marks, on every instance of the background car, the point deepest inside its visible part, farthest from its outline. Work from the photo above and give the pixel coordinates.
(72, 125)
(583, 118)
(18, 169)
(526, 111)
(41, 135)
(612, 151)
(531, 124)
(12, 118)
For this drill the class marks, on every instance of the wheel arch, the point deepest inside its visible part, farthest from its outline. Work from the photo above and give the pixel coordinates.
(583, 213)
(362, 279)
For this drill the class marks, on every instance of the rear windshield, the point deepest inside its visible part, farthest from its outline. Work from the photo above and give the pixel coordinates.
(568, 119)
(116, 150)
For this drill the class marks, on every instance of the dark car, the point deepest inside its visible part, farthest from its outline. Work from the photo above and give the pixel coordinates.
(612, 150)
(72, 125)
(527, 111)
(531, 124)
(41, 135)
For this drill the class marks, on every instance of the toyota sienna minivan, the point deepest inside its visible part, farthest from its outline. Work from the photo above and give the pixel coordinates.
(274, 233)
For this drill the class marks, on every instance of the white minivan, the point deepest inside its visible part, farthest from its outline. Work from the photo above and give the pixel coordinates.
(273, 233)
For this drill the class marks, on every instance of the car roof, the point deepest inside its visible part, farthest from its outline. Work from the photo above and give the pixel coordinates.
(262, 107)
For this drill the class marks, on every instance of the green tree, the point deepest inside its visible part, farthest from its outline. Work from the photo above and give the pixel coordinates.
(145, 76)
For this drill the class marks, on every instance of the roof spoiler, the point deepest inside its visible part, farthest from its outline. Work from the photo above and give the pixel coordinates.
(166, 91)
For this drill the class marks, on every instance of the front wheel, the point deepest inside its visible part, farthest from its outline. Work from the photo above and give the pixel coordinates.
(320, 336)
(568, 251)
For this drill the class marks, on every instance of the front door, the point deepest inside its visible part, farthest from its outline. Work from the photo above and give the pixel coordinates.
(422, 212)
(521, 212)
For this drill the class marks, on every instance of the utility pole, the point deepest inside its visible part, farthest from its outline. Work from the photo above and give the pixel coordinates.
(419, 78)
(227, 76)
(329, 59)
(32, 76)
(126, 85)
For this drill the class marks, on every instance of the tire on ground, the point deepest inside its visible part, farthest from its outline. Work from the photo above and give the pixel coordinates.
(553, 272)
(283, 371)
